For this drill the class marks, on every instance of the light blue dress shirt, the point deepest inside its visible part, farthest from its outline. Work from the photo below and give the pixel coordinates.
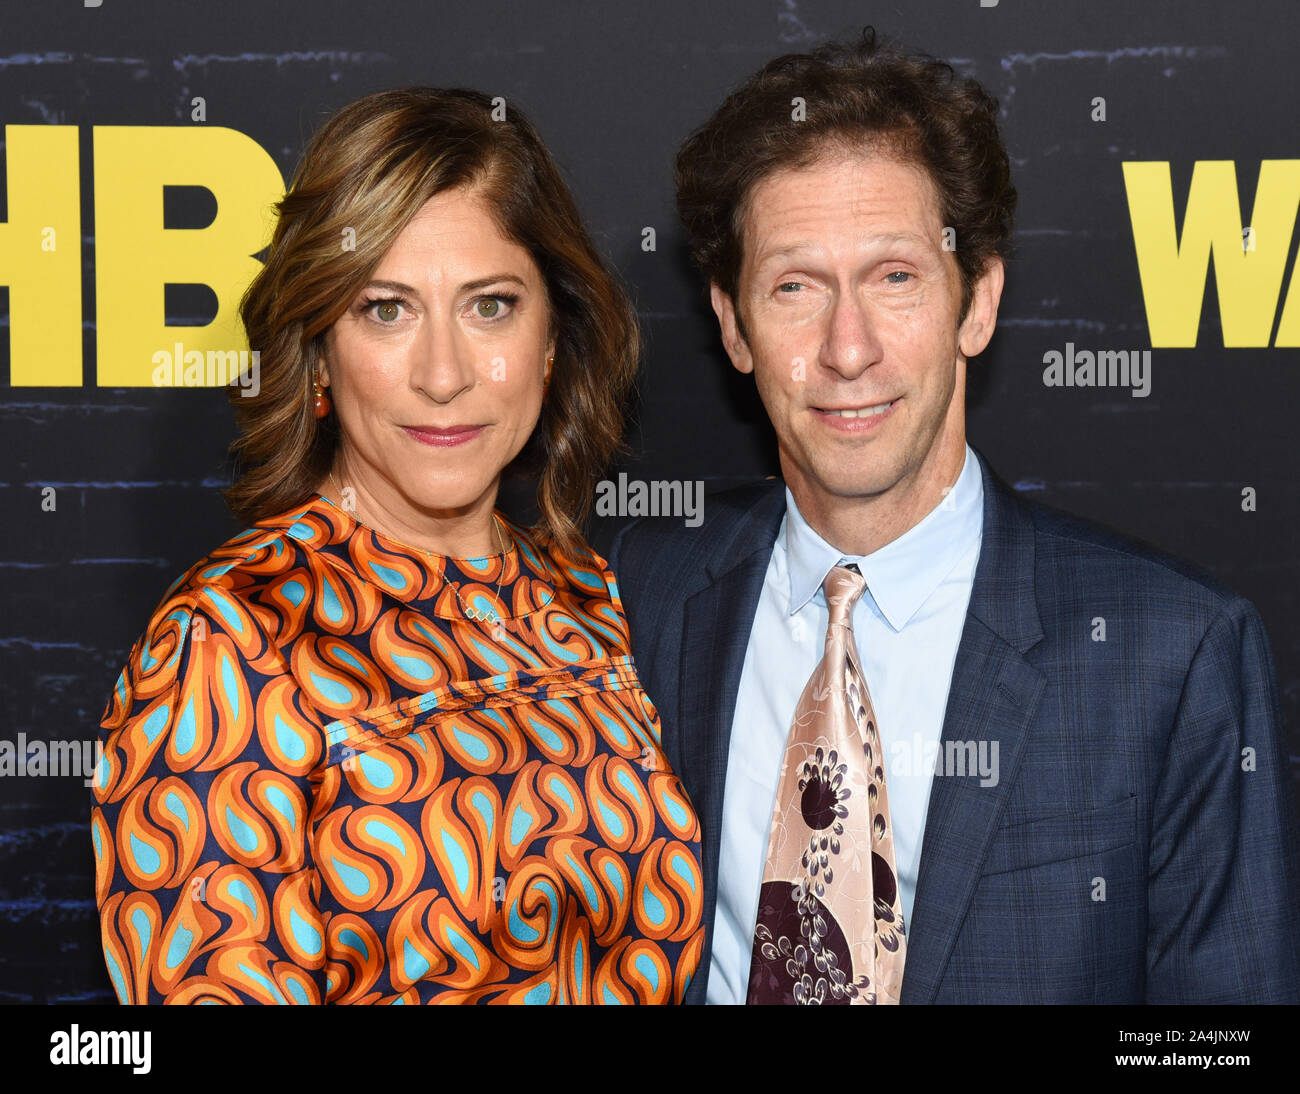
(907, 627)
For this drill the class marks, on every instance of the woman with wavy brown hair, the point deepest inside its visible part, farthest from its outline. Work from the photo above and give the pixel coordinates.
(388, 745)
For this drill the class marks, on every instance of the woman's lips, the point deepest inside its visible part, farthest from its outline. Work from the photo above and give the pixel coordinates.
(446, 437)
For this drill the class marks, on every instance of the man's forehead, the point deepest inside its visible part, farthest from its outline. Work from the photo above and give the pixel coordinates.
(861, 186)
(782, 248)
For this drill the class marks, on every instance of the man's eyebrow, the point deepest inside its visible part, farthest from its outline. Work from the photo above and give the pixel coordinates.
(789, 249)
(468, 286)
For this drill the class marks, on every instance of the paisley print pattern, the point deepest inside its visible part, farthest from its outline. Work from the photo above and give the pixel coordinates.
(321, 782)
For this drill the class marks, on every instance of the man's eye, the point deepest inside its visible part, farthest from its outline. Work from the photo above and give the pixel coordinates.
(897, 273)
(786, 286)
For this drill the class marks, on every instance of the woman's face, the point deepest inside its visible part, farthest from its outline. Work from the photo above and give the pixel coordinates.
(436, 368)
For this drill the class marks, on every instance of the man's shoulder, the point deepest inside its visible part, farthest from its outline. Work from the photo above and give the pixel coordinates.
(1075, 554)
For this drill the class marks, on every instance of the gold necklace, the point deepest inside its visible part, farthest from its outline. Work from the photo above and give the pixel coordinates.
(489, 615)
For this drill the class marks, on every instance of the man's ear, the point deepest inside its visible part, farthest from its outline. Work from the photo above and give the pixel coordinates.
(732, 340)
(982, 315)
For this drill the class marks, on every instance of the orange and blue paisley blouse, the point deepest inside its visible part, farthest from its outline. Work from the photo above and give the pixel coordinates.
(322, 782)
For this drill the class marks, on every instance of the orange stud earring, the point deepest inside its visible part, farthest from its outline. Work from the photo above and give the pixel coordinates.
(322, 400)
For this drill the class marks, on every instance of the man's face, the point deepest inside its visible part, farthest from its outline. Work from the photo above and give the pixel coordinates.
(850, 302)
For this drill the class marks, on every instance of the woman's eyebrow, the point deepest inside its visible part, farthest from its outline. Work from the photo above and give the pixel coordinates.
(483, 282)
(468, 286)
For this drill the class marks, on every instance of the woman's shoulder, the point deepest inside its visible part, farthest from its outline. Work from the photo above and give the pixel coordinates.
(218, 601)
(236, 571)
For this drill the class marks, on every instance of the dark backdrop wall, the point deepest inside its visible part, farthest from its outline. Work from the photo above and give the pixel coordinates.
(1086, 87)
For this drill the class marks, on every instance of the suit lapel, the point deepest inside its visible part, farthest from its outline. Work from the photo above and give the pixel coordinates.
(994, 693)
(716, 626)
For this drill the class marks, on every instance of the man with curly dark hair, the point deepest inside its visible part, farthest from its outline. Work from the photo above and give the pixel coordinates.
(924, 768)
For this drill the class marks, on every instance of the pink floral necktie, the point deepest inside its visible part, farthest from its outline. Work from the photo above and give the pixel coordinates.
(830, 922)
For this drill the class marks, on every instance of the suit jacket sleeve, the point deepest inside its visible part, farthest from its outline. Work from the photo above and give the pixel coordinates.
(1223, 890)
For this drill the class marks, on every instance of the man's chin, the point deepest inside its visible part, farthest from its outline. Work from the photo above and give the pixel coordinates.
(848, 486)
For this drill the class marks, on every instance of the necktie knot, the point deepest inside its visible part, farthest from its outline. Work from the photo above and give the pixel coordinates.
(843, 588)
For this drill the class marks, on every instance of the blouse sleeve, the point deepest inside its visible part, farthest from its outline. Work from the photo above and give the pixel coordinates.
(204, 879)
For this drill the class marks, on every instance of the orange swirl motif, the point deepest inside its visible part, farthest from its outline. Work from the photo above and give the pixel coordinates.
(453, 851)
(408, 655)
(255, 972)
(130, 750)
(289, 599)
(620, 804)
(633, 971)
(382, 774)
(526, 933)
(298, 924)
(152, 668)
(286, 730)
(164, 833)
(213, 720)
(259, 817)
(471, 740)
(673, 806)
(357, 880)
(338, 680)
(234, 895)
(355, 957)
(342, 604)
(186, 934)
(129, 922)
(429, 930)
(668, 892)
(101, 837)
(397, 574)
(236, 620)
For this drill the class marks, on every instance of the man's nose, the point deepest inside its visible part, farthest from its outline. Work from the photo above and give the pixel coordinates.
(853, 340)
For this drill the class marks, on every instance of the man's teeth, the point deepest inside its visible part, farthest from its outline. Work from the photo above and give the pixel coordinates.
(861, 412)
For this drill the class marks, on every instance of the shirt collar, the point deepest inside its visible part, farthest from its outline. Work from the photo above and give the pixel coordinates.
(902, 574)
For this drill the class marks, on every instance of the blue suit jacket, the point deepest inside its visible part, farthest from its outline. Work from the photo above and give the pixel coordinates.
(1130, 852)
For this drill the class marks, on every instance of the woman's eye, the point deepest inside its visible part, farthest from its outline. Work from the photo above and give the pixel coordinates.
(897, 273)
(386, 311)
(494, 307)
(786, 286)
